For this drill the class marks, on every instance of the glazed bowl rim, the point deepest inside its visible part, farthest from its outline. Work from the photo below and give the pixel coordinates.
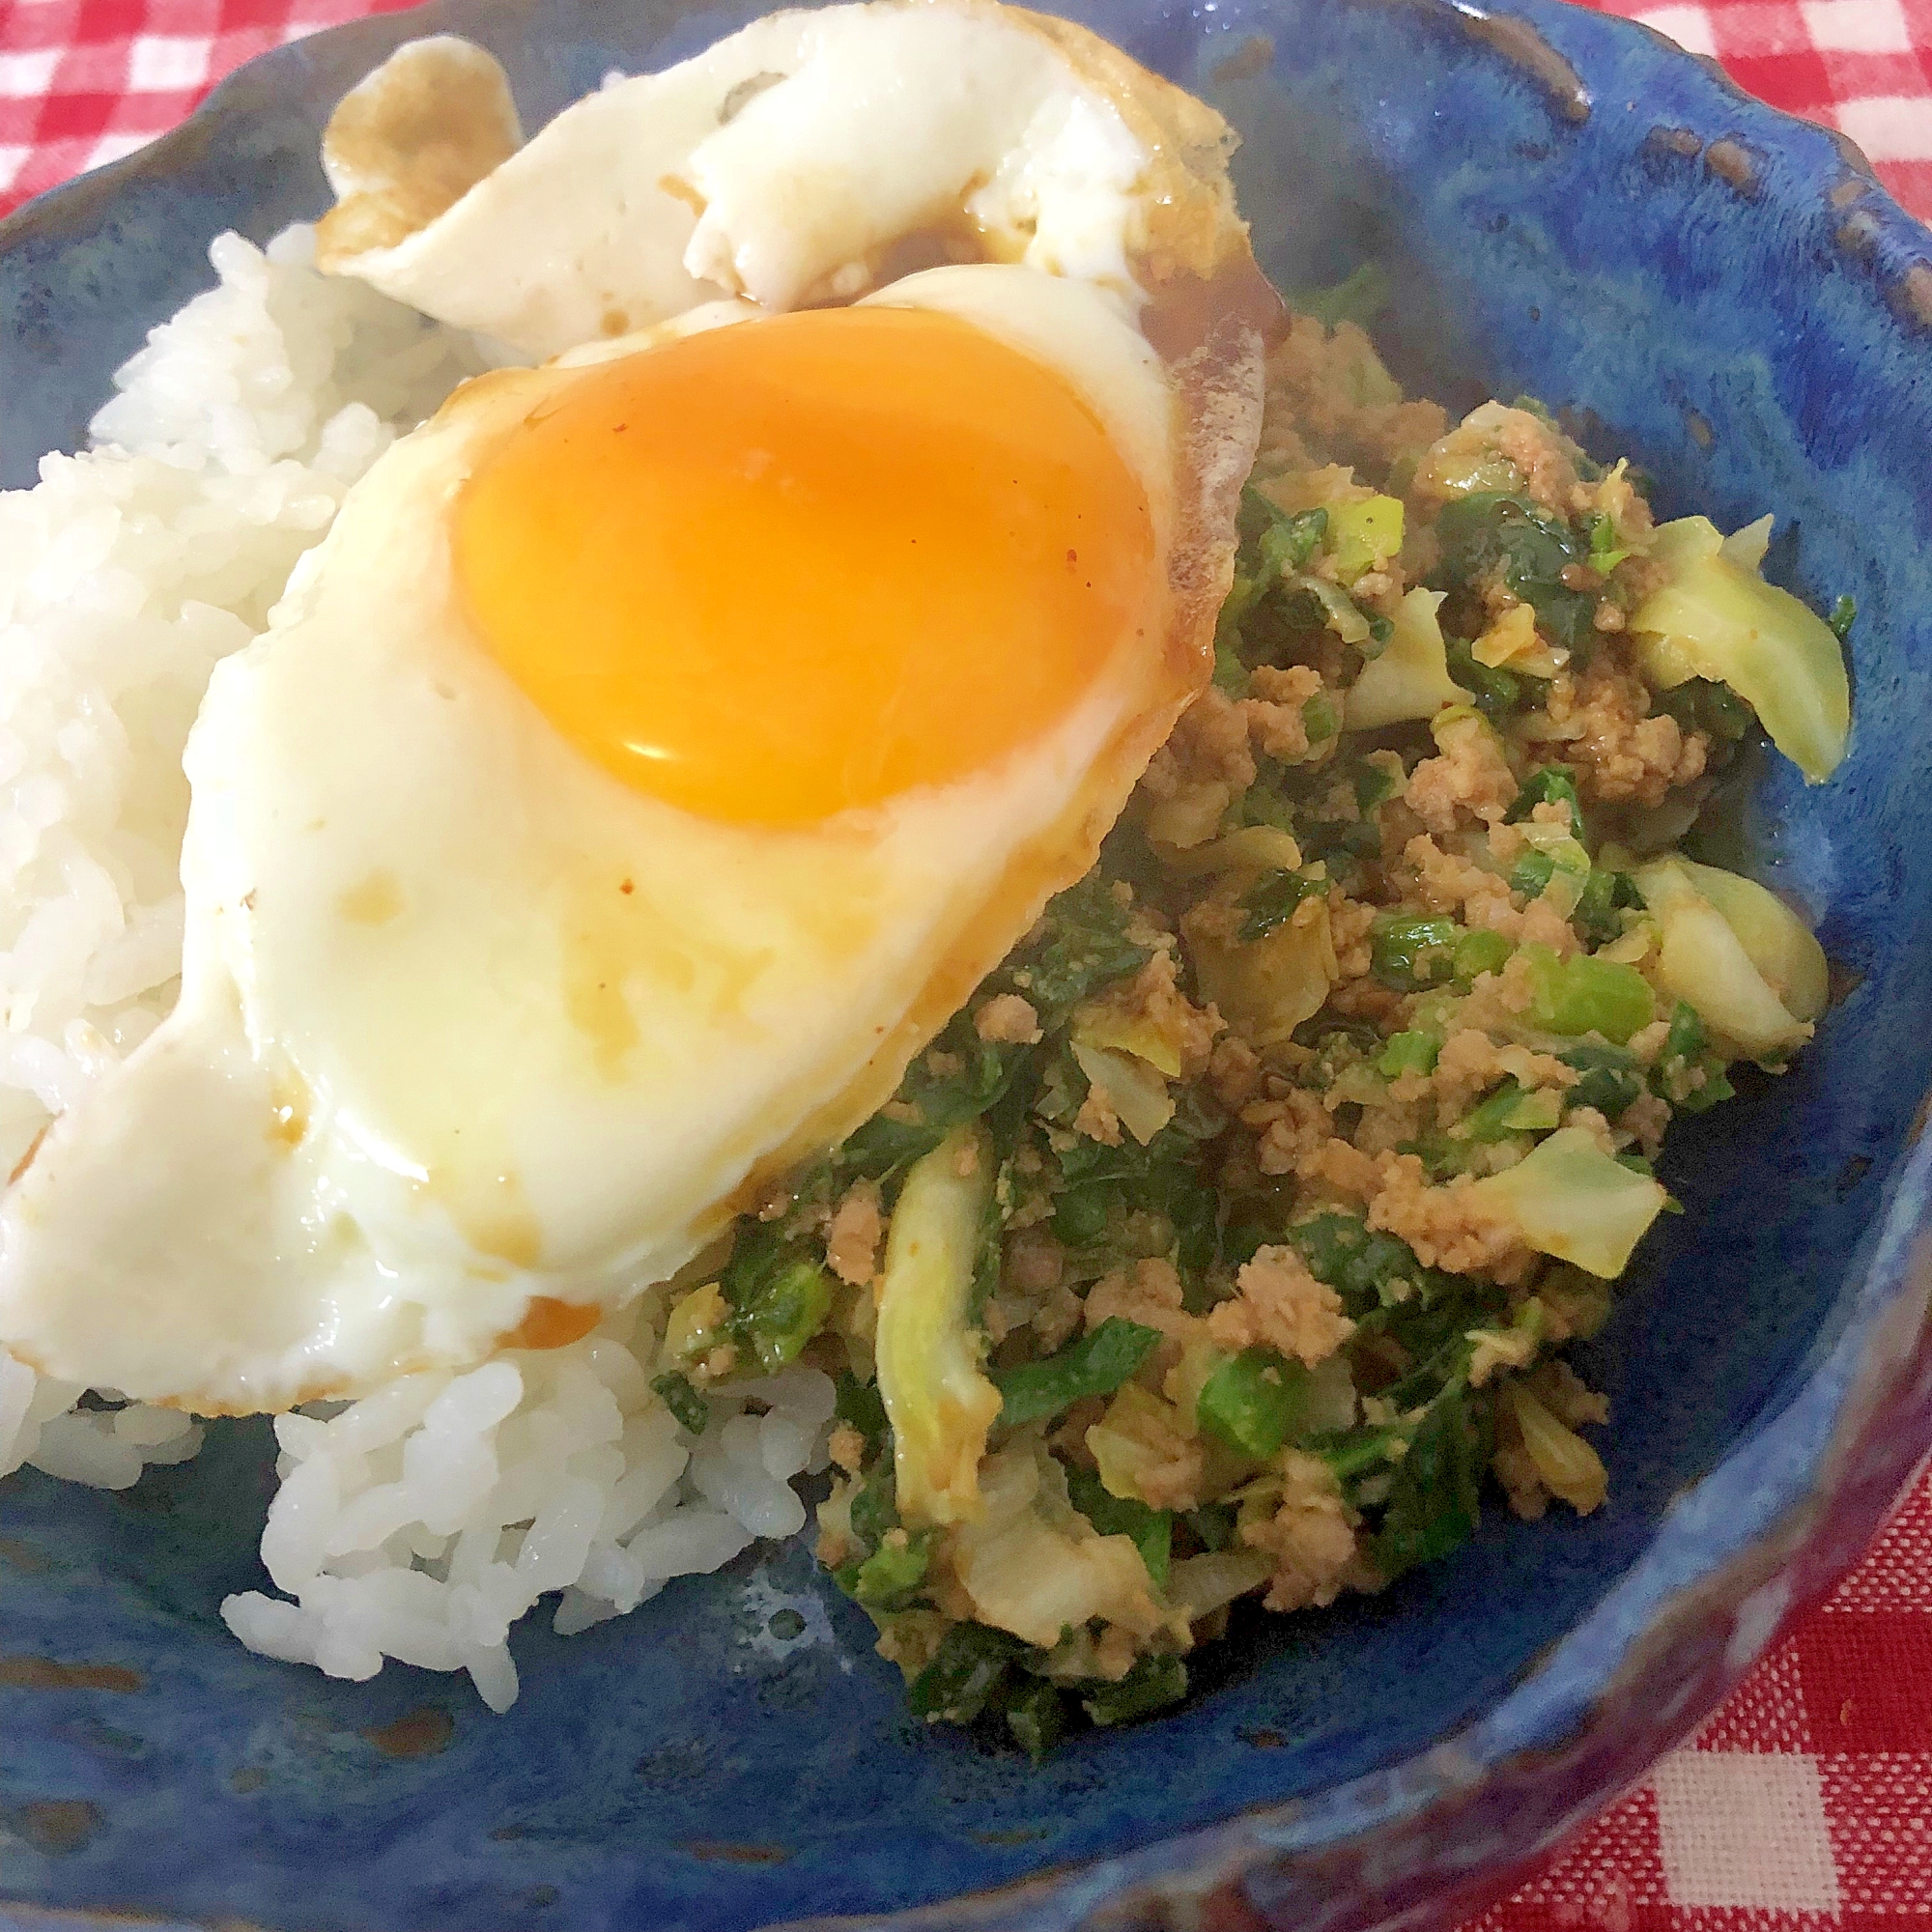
(1766, 1530)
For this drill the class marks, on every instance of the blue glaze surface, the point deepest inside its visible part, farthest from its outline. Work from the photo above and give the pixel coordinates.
(1755, 328)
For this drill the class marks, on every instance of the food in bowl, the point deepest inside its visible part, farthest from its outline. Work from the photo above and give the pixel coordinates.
(469, 879)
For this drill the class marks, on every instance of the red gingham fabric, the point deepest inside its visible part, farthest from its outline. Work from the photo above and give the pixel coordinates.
(1806, 1803)
(85, 81)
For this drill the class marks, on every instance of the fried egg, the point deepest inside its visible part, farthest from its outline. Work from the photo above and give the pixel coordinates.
(657, 751)
(797, 160)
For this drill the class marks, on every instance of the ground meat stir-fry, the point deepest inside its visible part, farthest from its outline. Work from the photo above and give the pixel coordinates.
(1224, 1247)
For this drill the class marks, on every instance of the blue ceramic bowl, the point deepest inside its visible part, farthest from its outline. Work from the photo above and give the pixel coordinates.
(1570, 207)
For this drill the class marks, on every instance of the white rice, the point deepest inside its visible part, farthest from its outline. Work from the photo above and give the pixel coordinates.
(421, 1522)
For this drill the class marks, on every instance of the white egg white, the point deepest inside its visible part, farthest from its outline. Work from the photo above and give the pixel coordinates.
(782, 163)
(464, 1021)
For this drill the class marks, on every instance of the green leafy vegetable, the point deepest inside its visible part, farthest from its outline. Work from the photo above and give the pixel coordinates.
(1319, 719)
(861, 1404)
(1495, 693)
(777, 1294)
(1036, 1713)
(1253, 1401)
(1270, 901)
(1434, 1502)
(1701, 704)
(1151, 1530)
(682, 1401)
(936, 1102)
(1151, 1685)
(1490, 534)
(1084, 946)
(1103, 1185)
(1552, 785)
(1097, 1364)
(971, 1664)
(890, 1577)
(1533, 871)
(1604, 894)
(1359, 299)
(1609, 1081)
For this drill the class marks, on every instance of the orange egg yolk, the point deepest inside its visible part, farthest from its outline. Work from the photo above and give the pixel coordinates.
(777, 570)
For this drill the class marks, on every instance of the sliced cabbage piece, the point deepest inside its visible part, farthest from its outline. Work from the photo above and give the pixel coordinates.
(1136, 1091)
(1780, 945)
(1269, 986)
(1411, 678)
(1702, 957)
(1034, 1565)
(1566, 1465)
(937, 1398)
(1715, 616)
(1572, 1199)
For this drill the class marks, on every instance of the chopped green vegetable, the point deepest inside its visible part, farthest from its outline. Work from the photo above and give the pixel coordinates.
(1359, 298)
(1151, 1685)
(1491, 534)
(1084, 945)
(1700, 705)
(1036, 1715)
(890, 1577)
(1587, 994)
(1609, 1080)
(1413, 951)
(1434, 1500)
(1105, 1185)
(1289, 541)
(1270, 901)
(1253, 1401)
(1532, 873)
(682, 1401)
(875, 1508)
(1687, 1074)
(1097, 1364)
(972, 1662)
(1603, 894)
(787, 1310)
(1844, 615)
(1550, 785)
(1213, 1525)
(1481, 952)
(861, 1404)
(1606, 549)
(1151, 1530)
(1491, 1117)
(1495, 693)
(930, 1105)
(1408, 1053)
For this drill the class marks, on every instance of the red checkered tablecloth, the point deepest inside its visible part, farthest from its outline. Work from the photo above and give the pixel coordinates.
(1806, 1803)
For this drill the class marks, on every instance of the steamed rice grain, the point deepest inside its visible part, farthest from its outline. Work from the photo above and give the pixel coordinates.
(422, 1523)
